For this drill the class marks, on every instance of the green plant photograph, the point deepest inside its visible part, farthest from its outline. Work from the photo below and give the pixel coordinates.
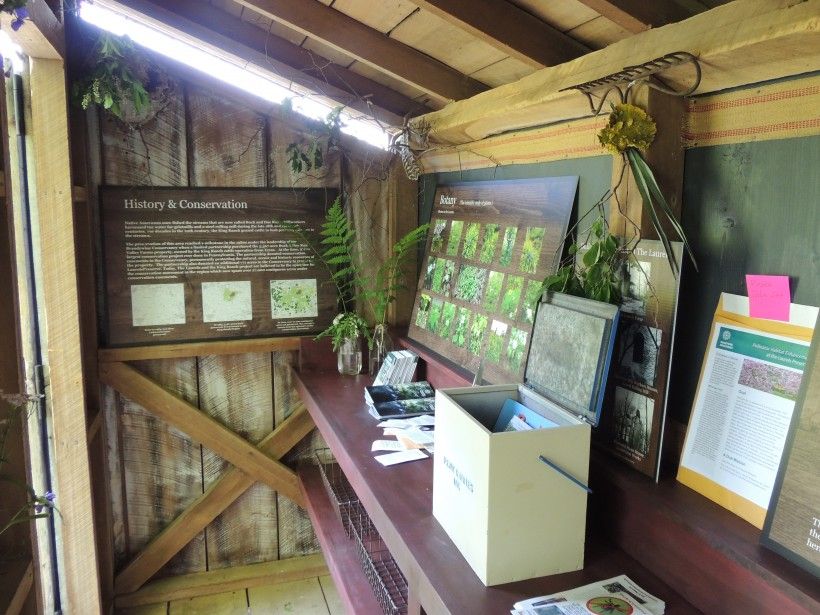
(437, 241)
(532, 249)
(460, 332)
(443, 276)
(477, 331)
(515, 349)
(507, 246)
(471, 240)
(429, 272)
(446, 321)
(456, 227)
(435, 314)
(423, 311)
(470, 283)
(494, 284)
(531, 297)
(495, 343)
(491, 232)
(509, 304)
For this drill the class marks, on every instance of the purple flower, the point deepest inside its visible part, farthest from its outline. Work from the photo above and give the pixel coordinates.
(20, 15)
(49, 496)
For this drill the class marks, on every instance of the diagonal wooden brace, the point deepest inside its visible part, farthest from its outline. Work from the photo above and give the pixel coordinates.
(221, 494)
(202, 428)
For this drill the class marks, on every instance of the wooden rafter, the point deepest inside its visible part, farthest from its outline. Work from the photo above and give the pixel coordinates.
(369, 46)
(639, 15)
(221, 494)
(251, 43)
(197, 349)
(202, 428)
(508, 28)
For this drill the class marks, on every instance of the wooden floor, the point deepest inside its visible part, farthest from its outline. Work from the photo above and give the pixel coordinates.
(315, 596)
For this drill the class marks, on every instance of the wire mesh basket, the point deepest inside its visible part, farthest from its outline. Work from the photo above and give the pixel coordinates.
(338, 489)
(381, 570)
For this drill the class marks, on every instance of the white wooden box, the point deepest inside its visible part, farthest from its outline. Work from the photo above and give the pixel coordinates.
(514, 503)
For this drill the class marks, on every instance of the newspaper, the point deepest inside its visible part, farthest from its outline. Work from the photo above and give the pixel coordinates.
(615, 596)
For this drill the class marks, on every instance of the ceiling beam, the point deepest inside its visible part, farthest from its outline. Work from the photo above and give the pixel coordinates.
(639, 15)
(252, 44)
(345, 34)
(509, 29)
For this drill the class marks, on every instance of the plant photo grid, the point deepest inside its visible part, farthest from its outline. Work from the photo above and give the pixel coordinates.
(490, 246)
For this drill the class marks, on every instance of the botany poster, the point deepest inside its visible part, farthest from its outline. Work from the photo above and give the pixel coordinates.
(490, 245)
(632, 420)
(213, 263)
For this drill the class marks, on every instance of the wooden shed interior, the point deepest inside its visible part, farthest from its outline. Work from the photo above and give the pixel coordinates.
(184, 469)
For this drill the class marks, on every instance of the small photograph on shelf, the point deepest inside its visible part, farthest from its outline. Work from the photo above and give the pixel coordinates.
(477, 331)
(226, 301)
(461, 327)
(639, 274)
(437, 239)
(512, 294)
(470, 283)
(507, 246)
(494, 284)
(443, 276)
(424, 311)
(638, 351)
(157, 304)
(495, 343)
(531, 251)
(429, 272)
(531, 298)
(471, 237)
(633, 420)
(435, 315)
(293, 299)
(515, 349)
(448, 313)
(491, 232)
(769, 378)
(456, 227)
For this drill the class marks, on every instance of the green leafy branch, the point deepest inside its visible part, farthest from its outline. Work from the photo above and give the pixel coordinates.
(307, 156)
(113, 80)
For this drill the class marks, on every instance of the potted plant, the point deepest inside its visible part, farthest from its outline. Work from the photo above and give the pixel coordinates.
(342, 254)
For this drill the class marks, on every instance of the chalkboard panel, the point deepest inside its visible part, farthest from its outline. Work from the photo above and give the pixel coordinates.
(213, 263)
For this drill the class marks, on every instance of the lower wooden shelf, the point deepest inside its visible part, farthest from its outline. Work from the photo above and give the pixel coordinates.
(339, 550)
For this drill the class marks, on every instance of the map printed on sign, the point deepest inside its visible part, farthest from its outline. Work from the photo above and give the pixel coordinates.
(212, 263)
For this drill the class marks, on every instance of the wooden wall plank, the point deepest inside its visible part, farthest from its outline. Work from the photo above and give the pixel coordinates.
(288, 128)
(226, 579)
(59, 302)
(197, 349)
(334, 602)
(296, 535)
(162, 465)
(228, 603)
(227, 148)
(296, 596)
(151, 155)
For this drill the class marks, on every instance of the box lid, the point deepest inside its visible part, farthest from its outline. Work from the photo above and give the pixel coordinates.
(570, 351)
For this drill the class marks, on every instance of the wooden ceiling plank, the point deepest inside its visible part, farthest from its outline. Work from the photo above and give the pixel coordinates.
(508, 28)
(764, 35)
(369, 46)
(253, 44)
(639, 15)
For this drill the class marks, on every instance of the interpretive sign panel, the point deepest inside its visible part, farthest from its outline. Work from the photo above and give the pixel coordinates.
(491, 244)
(792, 525)
(185, 264)
(633, 423)
(744, 404)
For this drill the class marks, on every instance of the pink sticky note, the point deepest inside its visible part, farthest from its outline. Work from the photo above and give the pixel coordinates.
(769, 296)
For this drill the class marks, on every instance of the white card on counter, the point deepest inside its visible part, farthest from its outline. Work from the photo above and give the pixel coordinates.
(400, 423)
(422, 419)
(387, 445)
(391, 459)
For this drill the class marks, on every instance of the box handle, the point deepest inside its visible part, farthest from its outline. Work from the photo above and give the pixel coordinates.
(564, 473)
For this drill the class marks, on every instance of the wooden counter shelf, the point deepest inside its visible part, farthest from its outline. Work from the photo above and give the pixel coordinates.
(399, 501)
